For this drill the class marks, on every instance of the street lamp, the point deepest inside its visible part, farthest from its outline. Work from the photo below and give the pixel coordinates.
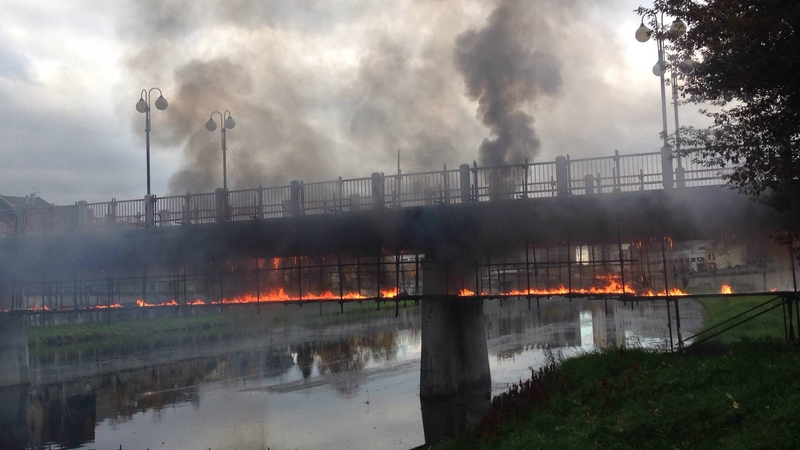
(143, 106)
(227, 123)
(643, 34)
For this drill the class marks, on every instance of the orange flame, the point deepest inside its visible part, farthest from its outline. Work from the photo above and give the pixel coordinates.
(726, 289)
(113, 305)
(613, 286)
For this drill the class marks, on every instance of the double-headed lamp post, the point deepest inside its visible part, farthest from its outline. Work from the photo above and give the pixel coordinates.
(227, 123)
(143, 106)
(643, 33)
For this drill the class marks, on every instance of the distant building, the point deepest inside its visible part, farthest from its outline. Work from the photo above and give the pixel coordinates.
(9, 203)
(693, 255)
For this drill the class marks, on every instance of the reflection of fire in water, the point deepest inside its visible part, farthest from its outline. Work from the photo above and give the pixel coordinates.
(725, 289)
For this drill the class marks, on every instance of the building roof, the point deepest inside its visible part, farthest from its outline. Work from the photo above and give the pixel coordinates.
(8, 202)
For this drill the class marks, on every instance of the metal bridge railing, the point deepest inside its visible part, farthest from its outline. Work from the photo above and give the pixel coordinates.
(564, 176)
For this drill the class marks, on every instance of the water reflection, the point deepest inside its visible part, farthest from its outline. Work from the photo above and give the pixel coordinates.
(273, 390)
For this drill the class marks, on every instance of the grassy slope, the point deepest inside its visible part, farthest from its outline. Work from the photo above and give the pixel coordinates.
(743, 395)
(745, 399)
(769, 325)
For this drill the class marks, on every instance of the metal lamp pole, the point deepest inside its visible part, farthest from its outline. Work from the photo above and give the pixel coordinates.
(643, 34)
(227, 123)
(143, 106)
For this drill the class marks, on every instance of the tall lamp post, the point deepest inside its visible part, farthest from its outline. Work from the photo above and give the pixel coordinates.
(227, 123)
(143, 106)
(643, 34)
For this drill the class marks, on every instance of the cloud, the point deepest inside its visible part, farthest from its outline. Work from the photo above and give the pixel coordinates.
(13, 65)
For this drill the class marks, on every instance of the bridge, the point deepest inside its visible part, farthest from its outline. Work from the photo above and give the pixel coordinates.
(596, 227)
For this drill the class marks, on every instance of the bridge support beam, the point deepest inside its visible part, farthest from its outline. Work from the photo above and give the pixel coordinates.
(455, 382)
(13, 352)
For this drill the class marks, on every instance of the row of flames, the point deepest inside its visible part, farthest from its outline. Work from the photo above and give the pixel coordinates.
(613, 286)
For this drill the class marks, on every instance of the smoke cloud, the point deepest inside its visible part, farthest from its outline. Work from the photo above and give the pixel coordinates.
(504, 70)
(333, 90)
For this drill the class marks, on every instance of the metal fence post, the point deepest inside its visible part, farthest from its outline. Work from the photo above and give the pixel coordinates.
(378, 198)
(666, 167)
(562, 176)
(617, 175)
(463, 174)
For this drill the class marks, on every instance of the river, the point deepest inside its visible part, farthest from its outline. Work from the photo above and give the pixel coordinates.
(345, 384)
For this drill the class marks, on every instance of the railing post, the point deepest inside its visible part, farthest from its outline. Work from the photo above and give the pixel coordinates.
(149, 209)
(666, 167)
(525, 180)
(588, 184)
(475, 184)
(355, 202)
(260, 202)
(562, 176)
(187, 208)
(463, 173)
(446, 184)
(378, 199)
(80, 208)
(302, 204)
(680, 177)
(219, 204)
(164, 217)
(294, 197)
(429, 194)
(617, 175)
(111, 215)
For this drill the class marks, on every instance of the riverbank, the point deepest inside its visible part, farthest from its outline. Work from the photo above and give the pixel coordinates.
(233, 320)
(738, 391)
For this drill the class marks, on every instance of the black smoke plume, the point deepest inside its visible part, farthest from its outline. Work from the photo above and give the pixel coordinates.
(505, 70)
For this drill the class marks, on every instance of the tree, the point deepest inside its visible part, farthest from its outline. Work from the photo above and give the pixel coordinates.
(748, 68)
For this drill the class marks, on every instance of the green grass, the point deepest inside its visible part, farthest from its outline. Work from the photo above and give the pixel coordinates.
(230, 322)
(747, 397)
(769, 325)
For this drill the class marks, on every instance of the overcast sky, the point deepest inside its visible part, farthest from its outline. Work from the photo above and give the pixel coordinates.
(318, 89)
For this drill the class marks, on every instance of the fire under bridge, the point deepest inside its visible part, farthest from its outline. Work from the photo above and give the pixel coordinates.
(600, 228)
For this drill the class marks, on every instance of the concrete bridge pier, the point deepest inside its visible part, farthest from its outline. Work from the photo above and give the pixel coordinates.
(14, 417)
(13, 352)
(454, 376)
